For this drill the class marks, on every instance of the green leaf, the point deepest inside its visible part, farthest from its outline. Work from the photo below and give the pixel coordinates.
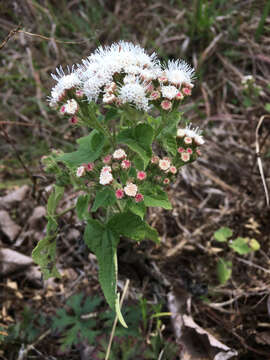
(44, 253)
(90, 148)
(137, 208)
(240, 245)
(53, 200)
(105, 197)
(132, 226)
(169, 143)
(103, 243)
(223, 234)
(224, 270)
(82, 206)
(139, 140)
(155, 197)
(73, 326)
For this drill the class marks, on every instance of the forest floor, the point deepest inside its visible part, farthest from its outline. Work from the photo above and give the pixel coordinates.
(224, 41)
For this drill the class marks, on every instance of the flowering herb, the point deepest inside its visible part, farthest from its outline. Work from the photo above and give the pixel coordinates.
(129, 102)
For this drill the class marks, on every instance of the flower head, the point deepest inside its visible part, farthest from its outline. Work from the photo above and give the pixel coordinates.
(164, 164)
(119, 193)
(89, 166)
(141, 175)
(139, 197)
(166, 105)
(105, 178)
(119, 154)
(179, 72)
(125, 164)
(169, 92)
(173, 170)
(70, 107)
(185, 157)
(107, 159)
(130, 189)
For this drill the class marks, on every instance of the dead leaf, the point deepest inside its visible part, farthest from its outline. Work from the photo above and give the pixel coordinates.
(196, 343)
(12, 261)
(8, 226)
(14, 197)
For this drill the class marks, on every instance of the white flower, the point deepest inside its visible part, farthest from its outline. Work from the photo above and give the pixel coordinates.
(134, 93)
(164, 164)
(178, 72)
(80, 171)
(109, 98)
(64, 82)
(129, 79)
(105, 178)
(181, 132)
(71, 107)
(169, 92)
(131, 189)
(119, 154)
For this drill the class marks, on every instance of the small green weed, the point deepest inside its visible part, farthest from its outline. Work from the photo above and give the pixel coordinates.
(240, 245)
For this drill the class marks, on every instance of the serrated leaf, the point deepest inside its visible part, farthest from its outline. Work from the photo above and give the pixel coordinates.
(90, 148)
(132, 226)
(169, 143)
(103, 243)
(139, 140)
(44, 254)
(82, 207)
(155, 197)
(223, 234)
(137, 208)
(54, 199)
(105, 197)
(224, 270)
(240, 245)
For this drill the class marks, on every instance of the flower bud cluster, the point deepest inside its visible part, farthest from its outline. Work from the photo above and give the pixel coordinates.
(188, 141)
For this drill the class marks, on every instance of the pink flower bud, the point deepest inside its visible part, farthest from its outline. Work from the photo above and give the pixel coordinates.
(189, 150)
(173, 170)
(155, 160)
(62, 110)
(125, 164)
(186, 91)
(141, 175)
(166, 181)
(179, 96)
(188, 140)
(180, 150)
(119, 193)
(166, 105)
(73, 120)
(107, 159)
(139, 197)
(89, 166)
(185, 157)
(155, 95)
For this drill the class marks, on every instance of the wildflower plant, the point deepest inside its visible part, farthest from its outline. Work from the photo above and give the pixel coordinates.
(129, 102)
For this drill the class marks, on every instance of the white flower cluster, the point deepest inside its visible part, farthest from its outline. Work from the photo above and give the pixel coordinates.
(124, 73)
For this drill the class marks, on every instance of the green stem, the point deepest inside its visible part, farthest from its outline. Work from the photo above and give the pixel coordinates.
(66, 211)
